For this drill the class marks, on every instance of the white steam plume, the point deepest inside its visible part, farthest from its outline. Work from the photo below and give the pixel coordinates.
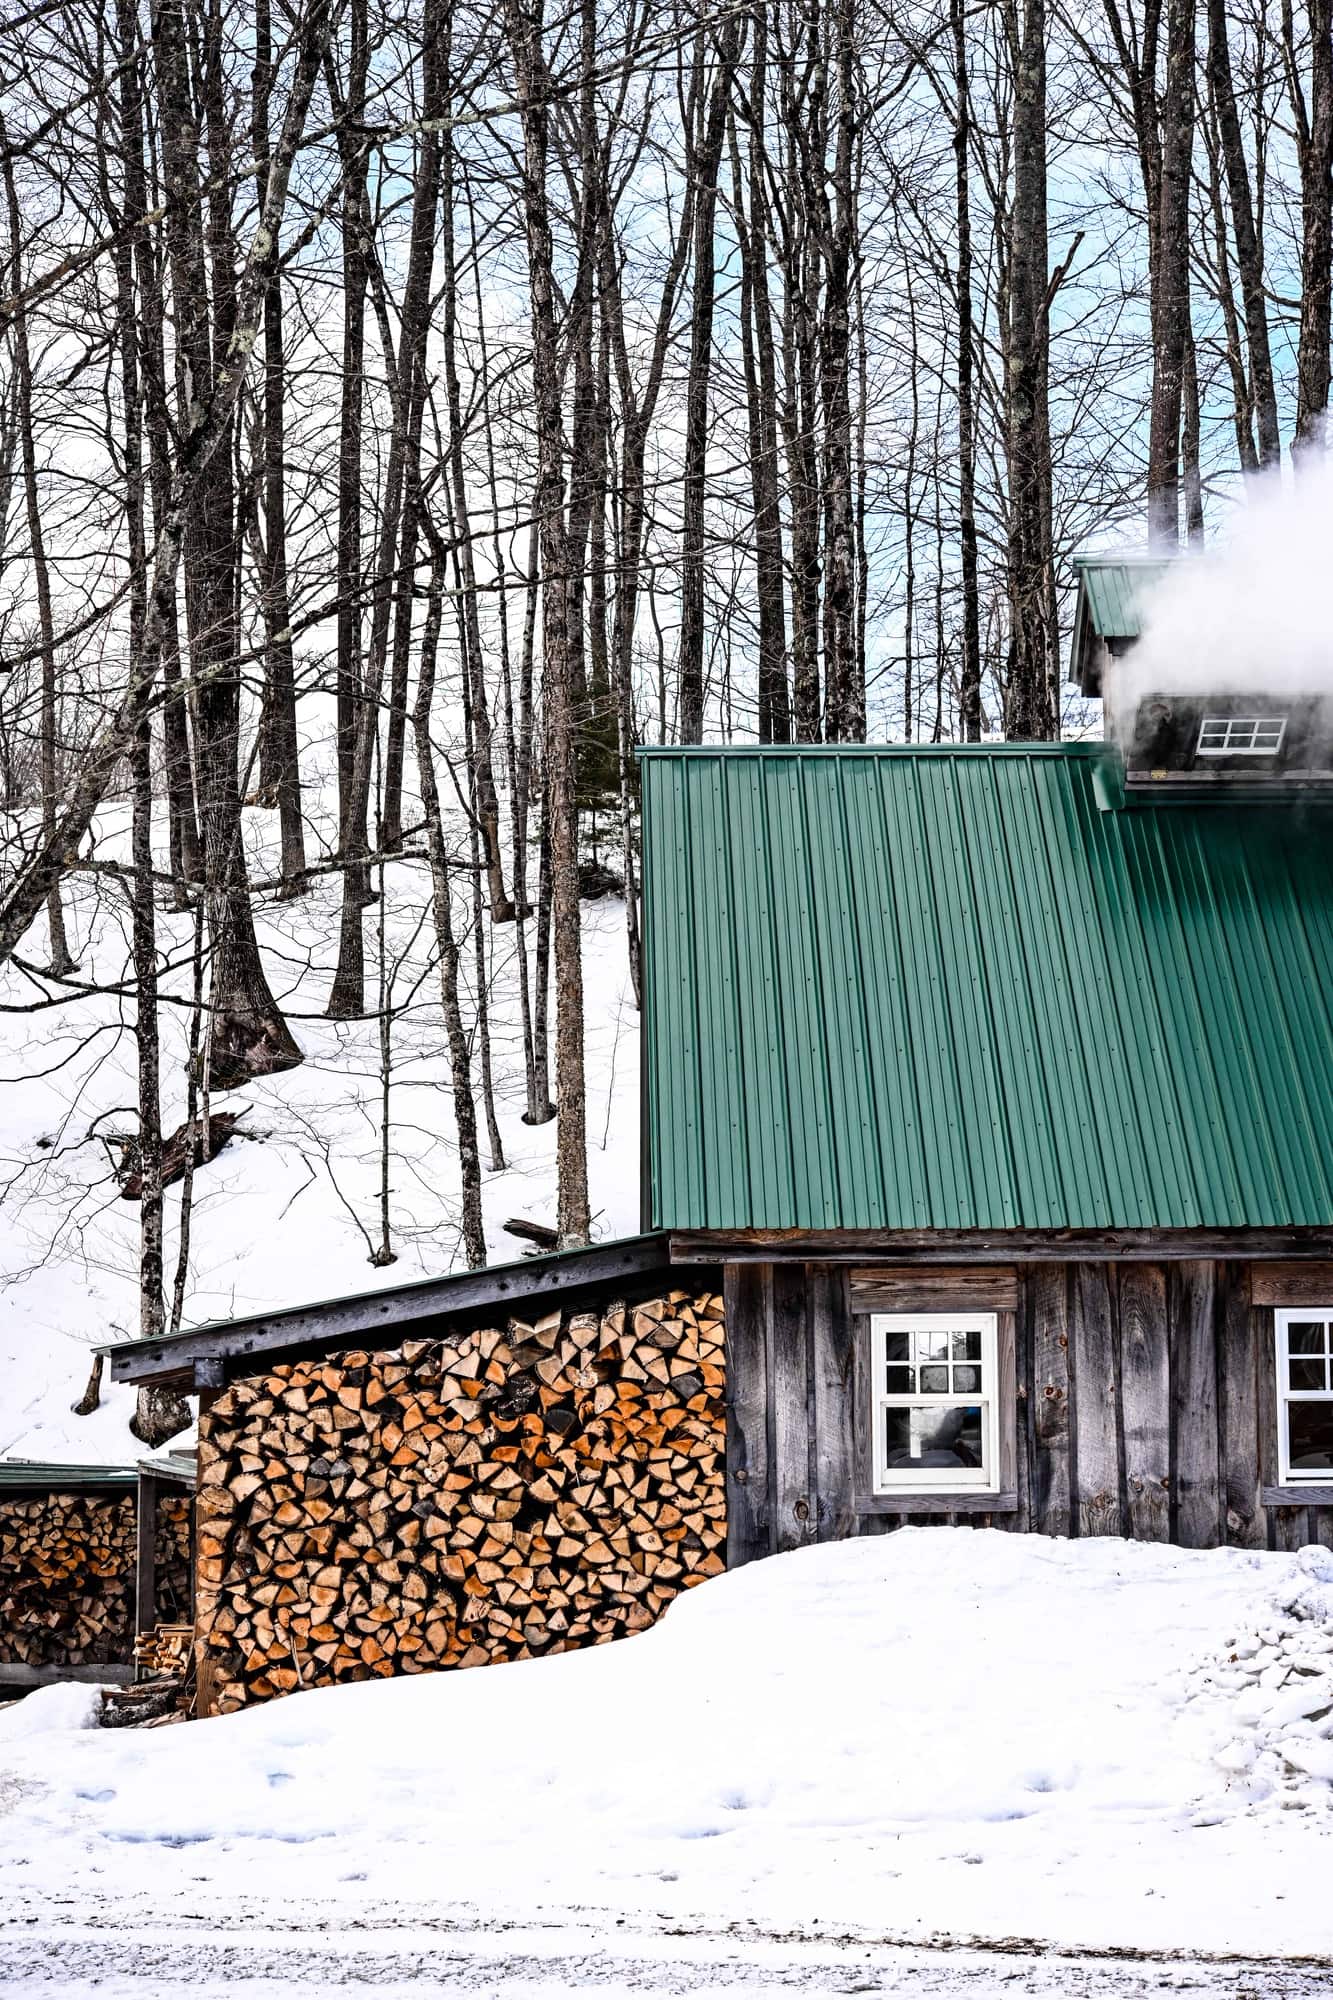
(1251, 613)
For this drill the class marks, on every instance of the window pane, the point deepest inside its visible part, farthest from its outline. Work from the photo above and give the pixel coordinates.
(919, 1437)
(1310, 1436)
(966, 1380)
(1307, 1375)
(1241, 734)
(967, 1347)
(934, 1381)
(932, 1347)
(1305, 1337)
(896, 1347)
(900, 1381)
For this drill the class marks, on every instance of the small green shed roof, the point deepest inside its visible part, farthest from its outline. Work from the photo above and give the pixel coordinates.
(30, 1475)
(948, 988)
(1108, 607)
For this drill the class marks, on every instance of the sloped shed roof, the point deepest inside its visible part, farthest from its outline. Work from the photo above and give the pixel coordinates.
(966, 988)
(1108, 607)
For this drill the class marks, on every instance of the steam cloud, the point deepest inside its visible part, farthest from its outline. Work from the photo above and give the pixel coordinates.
(1251, 613)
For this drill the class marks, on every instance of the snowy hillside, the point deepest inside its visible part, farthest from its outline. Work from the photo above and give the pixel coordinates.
(942, 1731)
(290, 1210)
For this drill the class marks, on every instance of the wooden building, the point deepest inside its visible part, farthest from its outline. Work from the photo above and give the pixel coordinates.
(987, 1178)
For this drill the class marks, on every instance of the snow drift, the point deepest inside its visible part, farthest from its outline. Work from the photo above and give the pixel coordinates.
(940, 1730)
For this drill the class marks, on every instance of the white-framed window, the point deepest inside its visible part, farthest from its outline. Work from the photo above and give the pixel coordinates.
(935, 1384)
(1241, 735)
(1305, 1395)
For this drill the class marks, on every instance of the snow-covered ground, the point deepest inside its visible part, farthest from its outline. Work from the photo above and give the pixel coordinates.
(289, 1212)
(942, 1734)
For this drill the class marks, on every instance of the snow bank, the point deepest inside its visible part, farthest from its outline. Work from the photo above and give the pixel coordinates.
(65, 1706)
(942, 1730)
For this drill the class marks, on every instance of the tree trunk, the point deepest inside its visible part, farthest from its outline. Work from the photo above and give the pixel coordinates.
(1189, 448)
(1249, 253)
(279, 744)
(1315, 141)
(573, 1221)
(436, 22)
(844, 698)
(61, 958)
(460, 1059)
(704, 165)
(757, 359)
(1171, 328)
(474, 653)
(347, 996)
(969, 678)
(250, 1037)
(1030, 707)
(149, 320)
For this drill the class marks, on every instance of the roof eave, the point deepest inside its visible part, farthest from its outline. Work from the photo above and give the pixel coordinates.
(375, 1318)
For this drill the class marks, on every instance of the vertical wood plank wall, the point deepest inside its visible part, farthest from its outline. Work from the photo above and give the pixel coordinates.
(1145, 1406)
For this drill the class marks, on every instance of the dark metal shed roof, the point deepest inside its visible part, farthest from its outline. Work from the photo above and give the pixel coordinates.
(368, 1318)
(946, 989)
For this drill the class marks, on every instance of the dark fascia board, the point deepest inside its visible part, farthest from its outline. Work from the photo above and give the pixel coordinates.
(992, 1246)
(372, 1318)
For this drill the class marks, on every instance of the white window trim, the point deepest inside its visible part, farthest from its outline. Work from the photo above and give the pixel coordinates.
(1250, 722)
(937, 1479)
(1282, 1319)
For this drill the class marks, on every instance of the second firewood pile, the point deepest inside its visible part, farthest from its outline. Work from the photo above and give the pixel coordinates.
(490, 1496)
(67, 1575)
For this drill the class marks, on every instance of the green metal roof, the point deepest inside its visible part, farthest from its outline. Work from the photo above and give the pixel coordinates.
(911, 988)
(43, 1476)
(1112, 587)
(1109, 608)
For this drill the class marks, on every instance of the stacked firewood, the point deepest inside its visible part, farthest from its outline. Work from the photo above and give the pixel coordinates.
(67, 1575)
(165, 1652)
(485, 1497)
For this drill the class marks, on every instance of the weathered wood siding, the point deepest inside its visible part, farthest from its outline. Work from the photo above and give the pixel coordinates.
(1143, 1396)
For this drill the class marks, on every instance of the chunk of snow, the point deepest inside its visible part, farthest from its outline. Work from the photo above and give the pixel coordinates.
(62, 1707)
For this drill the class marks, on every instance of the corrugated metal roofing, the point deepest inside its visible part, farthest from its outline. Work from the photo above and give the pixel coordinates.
(41, 1475)
(910, 988)
(1114, 590)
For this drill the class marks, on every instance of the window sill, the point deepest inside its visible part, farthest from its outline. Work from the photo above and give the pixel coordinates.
(937, 1503)
(1296, 1496)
